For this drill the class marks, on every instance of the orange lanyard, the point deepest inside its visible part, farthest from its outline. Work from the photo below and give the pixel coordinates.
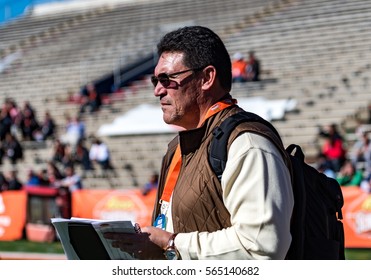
(174, 168)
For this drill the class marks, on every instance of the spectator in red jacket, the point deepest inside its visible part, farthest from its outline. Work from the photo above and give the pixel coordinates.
(333, 147)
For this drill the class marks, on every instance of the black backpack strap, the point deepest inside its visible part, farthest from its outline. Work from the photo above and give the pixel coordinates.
(218, 147)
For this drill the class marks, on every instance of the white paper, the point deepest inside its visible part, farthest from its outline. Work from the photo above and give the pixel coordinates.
(100, 226)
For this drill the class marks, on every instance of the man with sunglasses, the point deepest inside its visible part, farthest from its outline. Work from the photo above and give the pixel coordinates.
(247, 215)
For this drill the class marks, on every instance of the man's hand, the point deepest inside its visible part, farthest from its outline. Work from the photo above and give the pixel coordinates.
(147, 245)
(158, 236)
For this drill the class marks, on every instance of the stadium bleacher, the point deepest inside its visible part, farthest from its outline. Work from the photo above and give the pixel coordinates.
(316, 52)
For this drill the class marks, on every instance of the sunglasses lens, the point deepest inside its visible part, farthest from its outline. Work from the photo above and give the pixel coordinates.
(154, 80)
(164, 80)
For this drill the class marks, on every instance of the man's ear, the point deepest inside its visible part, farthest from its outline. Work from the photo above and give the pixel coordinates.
(208, 81)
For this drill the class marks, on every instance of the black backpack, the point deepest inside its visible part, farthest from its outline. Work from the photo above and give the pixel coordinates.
(316, 227)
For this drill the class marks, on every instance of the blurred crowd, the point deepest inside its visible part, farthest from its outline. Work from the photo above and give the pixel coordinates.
(69, 151)
(245, 70)
(72, 154)
(349, 162)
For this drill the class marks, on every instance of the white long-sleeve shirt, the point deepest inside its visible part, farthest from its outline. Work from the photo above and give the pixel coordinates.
(258, 194)
(99, 152)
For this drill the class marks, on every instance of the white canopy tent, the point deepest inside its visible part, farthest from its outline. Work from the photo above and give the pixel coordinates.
(147, 119)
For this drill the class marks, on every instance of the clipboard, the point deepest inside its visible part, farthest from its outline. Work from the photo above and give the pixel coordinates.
(86, 242)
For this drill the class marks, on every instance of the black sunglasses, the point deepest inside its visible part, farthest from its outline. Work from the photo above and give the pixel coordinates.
(166, 79)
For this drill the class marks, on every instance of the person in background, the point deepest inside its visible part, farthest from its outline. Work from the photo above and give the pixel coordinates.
(33, 178)
(5, 122)
(245, 216)
(366, 184)
(58, 151)
(68, 158)
(12, 148)
(333, 147)
(44, 179)
(239, 68)
(74, 131)
(152, 184)
(91, 100)
(99, 154)
(253, 69)
(14, 110)
(324, 166)
(14, 183)
(70, 183)
(81, 156)
(3, 182)
(360, 152)
(47, 128)
(71, 180)
(349, 175)
(53, 173)
(28, 123)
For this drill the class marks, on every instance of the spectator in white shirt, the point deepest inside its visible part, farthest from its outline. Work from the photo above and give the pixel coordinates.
(75, 131)
(99, 153)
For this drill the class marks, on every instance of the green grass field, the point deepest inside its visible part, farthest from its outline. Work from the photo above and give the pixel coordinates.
(56, 248)
(358, 254)
(31, 247)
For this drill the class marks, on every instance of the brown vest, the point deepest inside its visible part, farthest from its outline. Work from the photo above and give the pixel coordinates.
(197, 202)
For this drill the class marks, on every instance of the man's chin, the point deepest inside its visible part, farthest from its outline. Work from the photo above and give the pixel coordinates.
(171, 121)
